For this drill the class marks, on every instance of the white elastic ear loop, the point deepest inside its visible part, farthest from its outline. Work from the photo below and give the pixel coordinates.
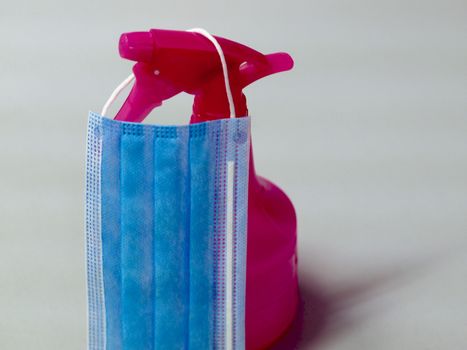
(225, 71)
(117, 92)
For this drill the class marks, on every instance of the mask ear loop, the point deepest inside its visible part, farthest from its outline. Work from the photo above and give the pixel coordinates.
(225, 72)
(117, 92)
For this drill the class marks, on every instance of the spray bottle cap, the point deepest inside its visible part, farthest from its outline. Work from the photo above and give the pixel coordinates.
(172, 61)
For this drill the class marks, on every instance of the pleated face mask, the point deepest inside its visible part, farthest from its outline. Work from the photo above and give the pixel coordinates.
(166, 219)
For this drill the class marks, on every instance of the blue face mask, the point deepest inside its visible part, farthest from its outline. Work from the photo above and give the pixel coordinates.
(166, 220)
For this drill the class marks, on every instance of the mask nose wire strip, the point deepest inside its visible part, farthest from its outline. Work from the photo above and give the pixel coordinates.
(229, 256)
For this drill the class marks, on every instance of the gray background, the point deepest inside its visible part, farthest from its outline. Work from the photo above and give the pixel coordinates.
(367, 135)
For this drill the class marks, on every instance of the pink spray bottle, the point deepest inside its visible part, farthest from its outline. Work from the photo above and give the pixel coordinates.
(169, 62)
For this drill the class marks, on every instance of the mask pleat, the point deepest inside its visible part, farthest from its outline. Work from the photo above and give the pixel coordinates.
(111, 242)
(171, 245)
(201, 236)
(137, 242)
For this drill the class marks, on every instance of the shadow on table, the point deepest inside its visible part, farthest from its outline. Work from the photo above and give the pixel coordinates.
(322, 314)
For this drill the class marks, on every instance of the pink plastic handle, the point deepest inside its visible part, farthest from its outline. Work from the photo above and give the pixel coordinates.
(186, 61)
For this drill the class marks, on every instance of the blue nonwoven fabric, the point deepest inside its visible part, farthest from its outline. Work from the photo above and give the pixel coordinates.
(166, 219)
